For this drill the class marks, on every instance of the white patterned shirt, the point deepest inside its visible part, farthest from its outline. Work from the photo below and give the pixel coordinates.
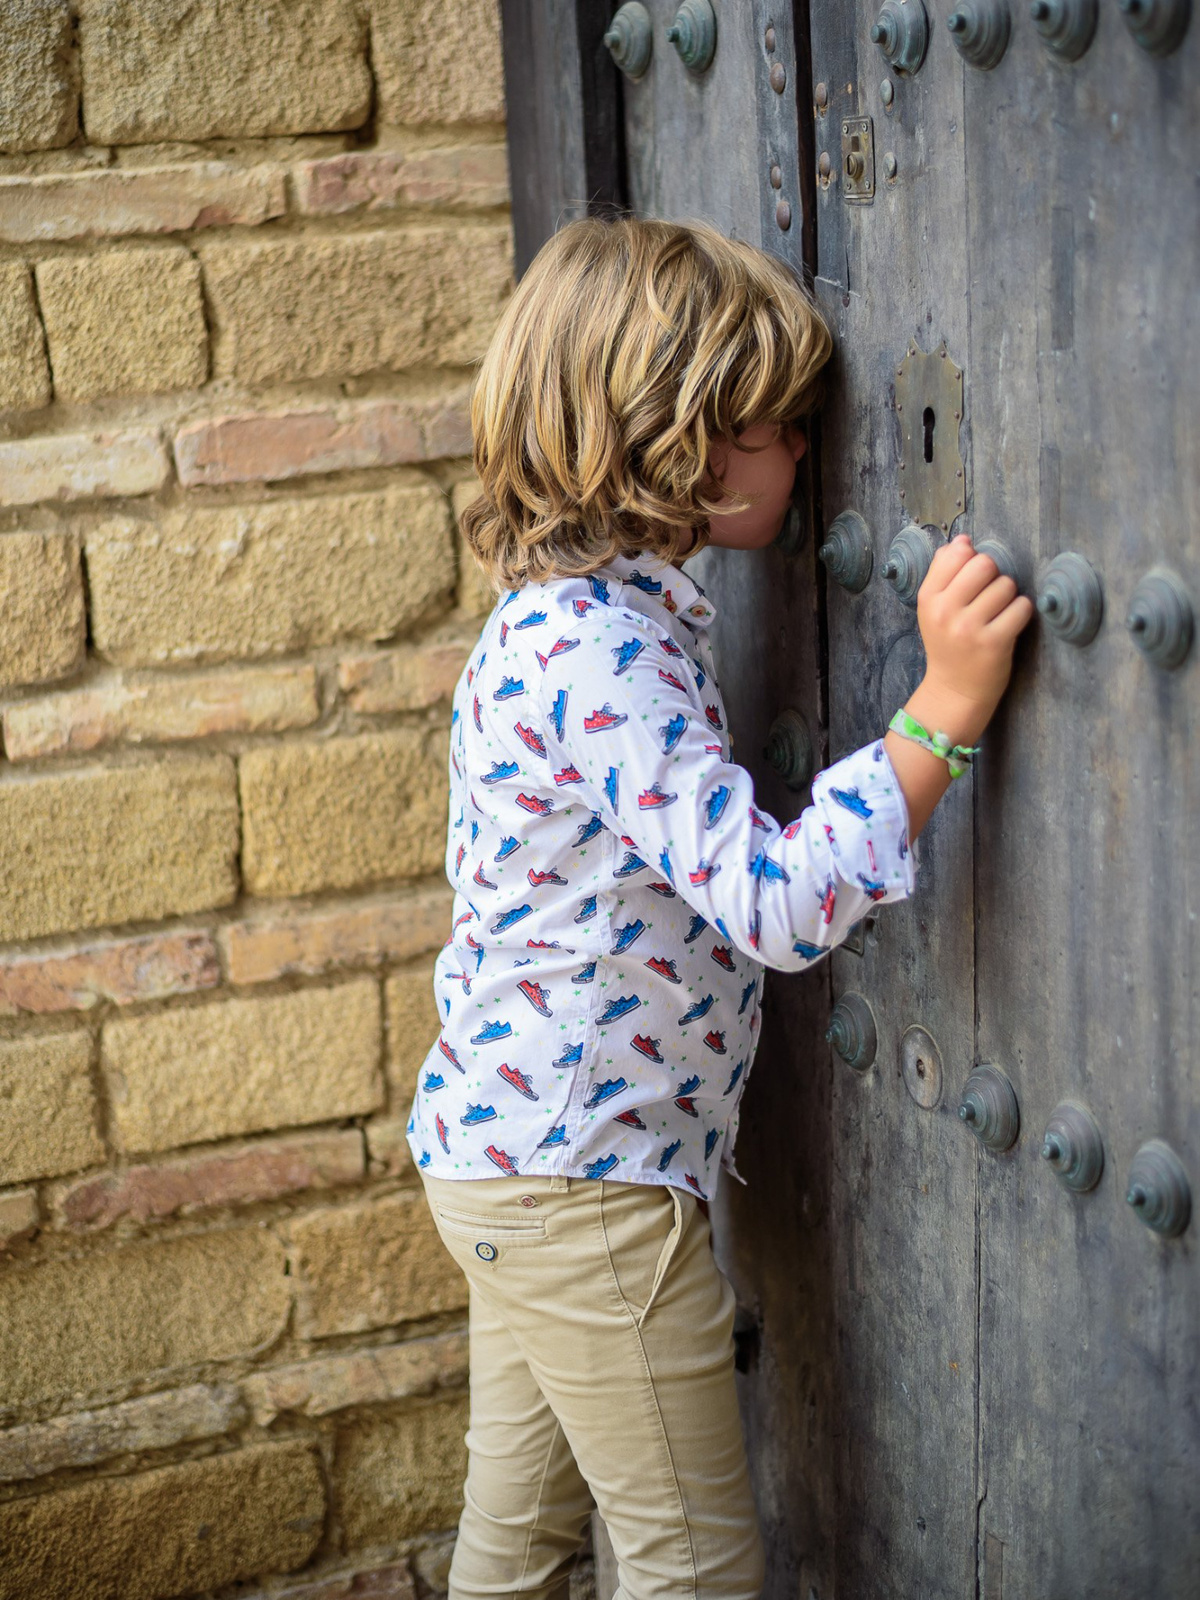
(618, 892)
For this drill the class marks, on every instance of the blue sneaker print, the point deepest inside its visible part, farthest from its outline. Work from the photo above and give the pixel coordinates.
(810, 952)
(673, 732)
(747, 996)
(766, 870)
(599, 590)
(585, 974)
(433, 1081)
(665, 867)
(700, 1009)
(627, 935)
(701, 679)
(631, 864)
(616, 1009)
(625, 654)
(714, 806)
(695, 929)
(734, 1076)
(533, 619)
(507, 847)
(610, 787)
(500, 770)
(876, 891)
(642, 581)
(669, 1154)
(710, 1140)
(509, 689)
(600, 1092)
(588, 830)
(853, 801)
(508, 918)
(587, 909)
(599, 1169)
(477, 1114)
(491, 1031)
(426, 1158)
(474, 830)
(555, 1138)
(571, 1057)
(723, 930)
(558, 713)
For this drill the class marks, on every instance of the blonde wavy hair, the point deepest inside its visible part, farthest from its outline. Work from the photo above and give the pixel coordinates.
(628, 347)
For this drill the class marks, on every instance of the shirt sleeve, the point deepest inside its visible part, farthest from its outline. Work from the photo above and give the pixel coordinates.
(650, 760)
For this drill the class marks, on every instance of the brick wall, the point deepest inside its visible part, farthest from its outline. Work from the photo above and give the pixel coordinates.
(248, 254)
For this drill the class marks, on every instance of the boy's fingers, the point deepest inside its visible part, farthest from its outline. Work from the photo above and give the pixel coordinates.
(1013, 618)
(971, 579)
(947, 563)
(992, 599)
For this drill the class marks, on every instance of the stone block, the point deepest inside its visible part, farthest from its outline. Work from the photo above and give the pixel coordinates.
(476, 594)
(371, 1265)
(44, 632)
(425, 76)
(197, 1525)
(392, 1582)
(407, 679)
(47, 1108)
(39, 78)
(206, 69)
(151, 1422)
(140, 710)
(206, 583)
(387, 1146)
(121, 200)
(124, 322)
(122, 971)
(80, 466)
(24, 374)
(358, 1378)
(96, 845)
(19, 1216)
(377, 180)
(294, 942)
(91, 1324)
(241, 1066)
(400, 1473)
(262, 1171)
(413, 1026)
(311, 306)
(343, 813)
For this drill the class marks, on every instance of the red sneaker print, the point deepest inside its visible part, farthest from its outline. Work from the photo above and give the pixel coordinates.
(503, 1160)
(664, 968)
(530, 802)
(568, 775)
(605, 718)
(537, 879)
(713, 718)
(449, 1053)
(722, 956)
(828, 900)
(663, 889)
(519, 1080)
(460, 857)
(630, 1118)
(443, 1140)
(715, 1041)
(646, 1046)
(531, 738)
(672, 680)
(653, 798)
(536, 996)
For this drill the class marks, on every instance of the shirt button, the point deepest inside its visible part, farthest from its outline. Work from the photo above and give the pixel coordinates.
(485, 1251)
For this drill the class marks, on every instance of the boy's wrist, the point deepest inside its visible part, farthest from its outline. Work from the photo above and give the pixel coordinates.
(943, 709)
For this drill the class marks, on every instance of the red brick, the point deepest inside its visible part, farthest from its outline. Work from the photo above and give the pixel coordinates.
(358, 1378)
(407, 679)
(18, 1216)
(144, 709)
(121, 970)
(475, 175)
(258, 1172)
(278, 945)
(119, 201)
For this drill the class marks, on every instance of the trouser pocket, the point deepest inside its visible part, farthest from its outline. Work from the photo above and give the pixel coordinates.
(643, 1225)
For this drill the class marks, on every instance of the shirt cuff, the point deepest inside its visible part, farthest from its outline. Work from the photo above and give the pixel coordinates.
(861, 806)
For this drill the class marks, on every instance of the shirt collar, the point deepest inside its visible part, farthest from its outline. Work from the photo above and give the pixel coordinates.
(667, 587)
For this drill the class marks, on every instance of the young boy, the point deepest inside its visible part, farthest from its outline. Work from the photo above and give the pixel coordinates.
(618, 892)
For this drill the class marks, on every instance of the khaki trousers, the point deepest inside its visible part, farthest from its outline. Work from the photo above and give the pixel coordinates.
(601, 1345)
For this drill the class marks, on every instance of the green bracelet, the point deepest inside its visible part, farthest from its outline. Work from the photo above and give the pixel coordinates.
(957, 757)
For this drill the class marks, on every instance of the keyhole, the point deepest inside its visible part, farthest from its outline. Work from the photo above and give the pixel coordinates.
(920, 1067)
(929, 420)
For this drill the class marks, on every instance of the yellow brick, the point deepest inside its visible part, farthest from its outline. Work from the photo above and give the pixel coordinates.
(419, 79)
(240, 1066)
(343, 813)
(43, 632)
(24, 375)
(39, 80)
(399, 1473)
(476, 594)
(47, 1111)
(89, 1325)
(85, 848)
(198, 1525)
(202, 69)
(124, 322)
(210, 583)
(412, 1027)
(372, 1265)
(124, 844)
(314, 305)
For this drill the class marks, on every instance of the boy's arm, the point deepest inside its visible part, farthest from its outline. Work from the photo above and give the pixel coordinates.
(651, 765)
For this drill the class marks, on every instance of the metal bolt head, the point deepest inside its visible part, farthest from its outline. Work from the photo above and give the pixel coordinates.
(889, 166)
(821, 95)
(783, 216)
(776, 178)
(824, 165)
(769, 38)
(778, 77)
(887, 92)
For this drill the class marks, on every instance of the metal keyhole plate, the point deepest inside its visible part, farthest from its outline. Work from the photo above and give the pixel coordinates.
(921, 1067)
(929, 407)
(858, 160)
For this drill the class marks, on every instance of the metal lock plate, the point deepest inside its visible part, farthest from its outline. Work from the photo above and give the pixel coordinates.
(858, 160)
(929, 404)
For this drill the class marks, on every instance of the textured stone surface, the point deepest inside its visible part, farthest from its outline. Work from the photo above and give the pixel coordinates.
(200, 69)
(278, 945)
(194, 1526)
(429, 73)
(407, 679)
(393, 1582)
(238, 1066)
(314, 306)
(476, 596)
(124, 844)
(141, 709)
(47, 1109)
(44, 629)
(125, 322)
(358, 1378)
(84, 1326)
(193, 194)
(151, 1422)
(370, 1265)
(387, 1144)
(77, 466)
(24, 375)
(376, 180)
(123, 971)
(343, 813)
(413, 1025)
(262, 1171)
(399, 1474)
(207, 583)
(19, 1216)
(39, 80)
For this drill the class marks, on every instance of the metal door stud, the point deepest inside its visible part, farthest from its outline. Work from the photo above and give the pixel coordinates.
(1159, 1190)
(1161, 619)
(1066, 26)
(908, 558)
(989, 1108)
(1073, 1147)
(851, 1031)
(1071, 598)
(789, 749)
(847, 552)
(694, 34)
(1157, 25)
(630, 38)
(980, 30)
(901, 30)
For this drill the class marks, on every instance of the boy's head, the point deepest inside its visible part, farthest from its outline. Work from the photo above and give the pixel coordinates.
(628, 351)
